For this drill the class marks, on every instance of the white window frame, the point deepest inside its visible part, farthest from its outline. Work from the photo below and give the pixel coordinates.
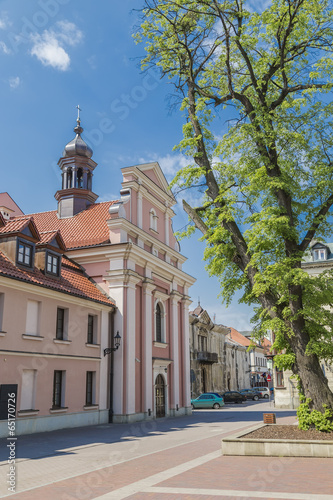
(153, 220)
(28, 390)
(32, 326)
(163, 322)
(319, 254)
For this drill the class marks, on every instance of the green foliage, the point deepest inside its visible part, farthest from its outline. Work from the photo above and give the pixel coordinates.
(268, 176)
(307, 418)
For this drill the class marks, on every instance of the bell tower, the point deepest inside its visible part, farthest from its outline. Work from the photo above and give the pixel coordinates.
(77, 172)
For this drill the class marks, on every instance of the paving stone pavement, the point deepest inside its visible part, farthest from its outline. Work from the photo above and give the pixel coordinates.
(178, 459)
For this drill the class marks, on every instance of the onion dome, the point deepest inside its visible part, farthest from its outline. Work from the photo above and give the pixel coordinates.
(77, 146)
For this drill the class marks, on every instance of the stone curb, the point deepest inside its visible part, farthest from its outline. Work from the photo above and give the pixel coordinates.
(239, 445)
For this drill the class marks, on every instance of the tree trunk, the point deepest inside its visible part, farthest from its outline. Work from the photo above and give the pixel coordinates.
(313, 380)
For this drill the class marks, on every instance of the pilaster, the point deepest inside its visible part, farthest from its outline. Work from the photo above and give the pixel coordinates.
(148, 287)
(186, 336)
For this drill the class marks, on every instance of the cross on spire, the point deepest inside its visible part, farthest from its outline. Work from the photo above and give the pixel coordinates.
(78, 113)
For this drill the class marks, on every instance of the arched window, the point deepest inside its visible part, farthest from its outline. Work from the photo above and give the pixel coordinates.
(69, 178)
(158, 321)
(89, 181)
(153, 220)
(79, 178)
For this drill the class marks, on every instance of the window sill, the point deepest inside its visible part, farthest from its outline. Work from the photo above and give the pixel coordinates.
(162, 345)
(59, 341)
(27, 413)
(90, 407)
(28, 336)
(2, 334)
(154, 230)
(281, 388)
(58, 410)
(93, 345)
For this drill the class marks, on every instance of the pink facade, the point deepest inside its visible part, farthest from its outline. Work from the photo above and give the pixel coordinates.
(129, 249)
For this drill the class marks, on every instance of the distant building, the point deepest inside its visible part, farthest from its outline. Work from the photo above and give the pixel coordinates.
(218, 363)
(318, 259)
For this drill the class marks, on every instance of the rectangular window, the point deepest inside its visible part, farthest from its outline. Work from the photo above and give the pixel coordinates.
(33, 316)
(279, 378)
(319, 254)
(28, 390)
(25, 254)
(202, 343)
(90, 388)
(91, 334)
(62, 321)
(58, 389)
(2, 303)
(52, 264)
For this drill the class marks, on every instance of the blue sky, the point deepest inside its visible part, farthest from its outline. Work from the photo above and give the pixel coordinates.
(55, 54)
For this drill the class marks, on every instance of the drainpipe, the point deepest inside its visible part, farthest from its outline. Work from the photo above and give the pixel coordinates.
(111, 343)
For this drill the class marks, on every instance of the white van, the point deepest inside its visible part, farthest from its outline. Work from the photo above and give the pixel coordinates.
(264, 391)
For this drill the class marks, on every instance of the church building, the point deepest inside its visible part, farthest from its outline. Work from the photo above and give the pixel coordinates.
(127, 246)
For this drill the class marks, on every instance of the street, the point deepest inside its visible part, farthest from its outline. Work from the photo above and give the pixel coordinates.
(169, 458)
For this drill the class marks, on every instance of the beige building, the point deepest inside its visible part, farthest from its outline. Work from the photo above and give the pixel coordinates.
(319, 259)
(218, 362)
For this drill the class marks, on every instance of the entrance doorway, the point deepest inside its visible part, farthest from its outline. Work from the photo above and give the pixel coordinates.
(160, 396)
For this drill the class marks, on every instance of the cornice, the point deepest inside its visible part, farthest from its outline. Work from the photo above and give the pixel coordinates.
(52, 294)
(129, 227)
(140, 257)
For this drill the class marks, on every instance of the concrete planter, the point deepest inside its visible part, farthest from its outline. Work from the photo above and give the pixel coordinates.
(239, 444)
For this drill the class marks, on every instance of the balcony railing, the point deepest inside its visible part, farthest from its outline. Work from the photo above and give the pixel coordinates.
(207, 357)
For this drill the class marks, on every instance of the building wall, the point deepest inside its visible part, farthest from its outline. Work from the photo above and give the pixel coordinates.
(24, 356)
(230, 369)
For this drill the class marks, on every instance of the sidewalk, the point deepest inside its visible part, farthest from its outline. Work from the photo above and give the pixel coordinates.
(189, 467)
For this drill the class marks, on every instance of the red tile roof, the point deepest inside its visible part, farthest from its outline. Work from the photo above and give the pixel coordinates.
(238, 337)
(47, 237)
(86, 228)
(18, 225)
(73, 281)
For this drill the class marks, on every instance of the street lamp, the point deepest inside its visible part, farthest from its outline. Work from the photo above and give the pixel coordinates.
(116, 340)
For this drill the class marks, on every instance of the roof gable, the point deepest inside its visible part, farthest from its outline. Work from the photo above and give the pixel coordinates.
(7, 201)
(24, 226)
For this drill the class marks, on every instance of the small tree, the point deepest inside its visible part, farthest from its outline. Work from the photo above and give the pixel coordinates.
(269, 178)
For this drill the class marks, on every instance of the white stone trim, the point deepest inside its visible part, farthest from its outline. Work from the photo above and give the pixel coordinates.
(28, 336)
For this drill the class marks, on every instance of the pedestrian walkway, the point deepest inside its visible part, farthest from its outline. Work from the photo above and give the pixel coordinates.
(175, 459)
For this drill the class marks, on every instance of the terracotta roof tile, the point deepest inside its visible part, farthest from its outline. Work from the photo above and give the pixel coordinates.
(14, 226)
(47, 237)
(238, 337)
(73, 281)
(86, 228)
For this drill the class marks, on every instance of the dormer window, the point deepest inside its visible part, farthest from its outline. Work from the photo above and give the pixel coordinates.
(25, 252)
(52, 264)
(320, 254)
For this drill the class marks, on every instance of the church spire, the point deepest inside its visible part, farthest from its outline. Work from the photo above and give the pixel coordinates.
(77, 170)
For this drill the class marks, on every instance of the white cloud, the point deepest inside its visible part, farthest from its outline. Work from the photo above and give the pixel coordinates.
(14, 82)
(4, 48)
(4, 21)
(49, 46)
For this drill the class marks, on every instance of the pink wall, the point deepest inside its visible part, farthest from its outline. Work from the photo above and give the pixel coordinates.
(13, 365)
(181, 356)
(138, 351)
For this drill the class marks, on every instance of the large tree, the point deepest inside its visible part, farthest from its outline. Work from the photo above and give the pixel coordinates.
(269, 177)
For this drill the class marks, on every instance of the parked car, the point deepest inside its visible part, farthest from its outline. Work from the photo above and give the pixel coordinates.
(264, 391)
(208, 400)
(251, 394)
(233, 397)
